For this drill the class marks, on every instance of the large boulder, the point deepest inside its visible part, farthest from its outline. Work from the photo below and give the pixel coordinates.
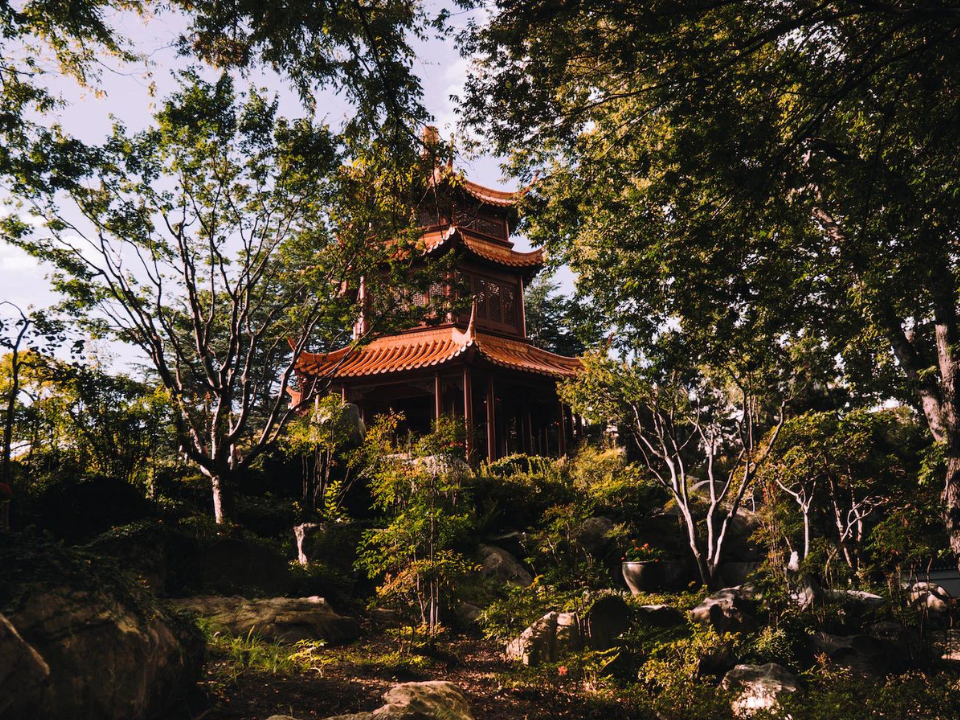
(862, 655)
(21, 666)
(728, 610)
(594, 536)
(607, 619)
(111, 652)
(946, 644)
(550, 638)
(433, 700)
(661, 616)
(930, 597)
(283, 619)
(499, 565)
(759, 687)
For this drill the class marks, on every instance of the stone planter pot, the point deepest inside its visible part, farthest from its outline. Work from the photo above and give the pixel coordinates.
(643, 576)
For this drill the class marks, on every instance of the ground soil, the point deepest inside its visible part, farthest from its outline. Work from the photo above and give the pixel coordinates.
(345, 685)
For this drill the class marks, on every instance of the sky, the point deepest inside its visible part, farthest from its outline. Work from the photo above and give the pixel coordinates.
(125, 92)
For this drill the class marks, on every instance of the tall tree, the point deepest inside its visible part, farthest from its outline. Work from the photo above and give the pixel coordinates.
(222, 242)
(552, 318)
(749, 170)
(23, 334)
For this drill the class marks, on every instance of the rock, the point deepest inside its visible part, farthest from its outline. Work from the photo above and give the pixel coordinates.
(513, 542)
(809, 594)
(946, 644)
(433, 700)
(727, 611)
(606, 620)
(866, 601)
(467, 613)
(864, 656)
(568, 637)
(659, 616)
(535, 644)
(593, 535)
(283, 619)
(759, 687)
(22, 670)
(349, 425)
(730, 574)
(497, 564)
(930, 596)
(110, 656)
(547, 640)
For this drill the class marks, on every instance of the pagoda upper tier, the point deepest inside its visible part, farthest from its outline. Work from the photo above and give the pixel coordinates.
(476, 220)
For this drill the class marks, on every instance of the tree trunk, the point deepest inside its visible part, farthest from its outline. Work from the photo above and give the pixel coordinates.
(223, 505)
(951, 500)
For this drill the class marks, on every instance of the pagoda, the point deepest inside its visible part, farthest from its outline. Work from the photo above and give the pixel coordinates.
(477, 364)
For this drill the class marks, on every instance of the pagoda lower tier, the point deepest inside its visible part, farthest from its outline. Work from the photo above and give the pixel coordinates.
(504, 388)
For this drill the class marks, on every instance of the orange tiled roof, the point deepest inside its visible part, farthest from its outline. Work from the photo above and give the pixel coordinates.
(432, 347)
(490, 196)
(482, 247)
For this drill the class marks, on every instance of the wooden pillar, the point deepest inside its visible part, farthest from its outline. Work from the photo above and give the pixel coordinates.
(343, 394)
(491, 421)
(468, 413)
(527, 431)
(437, 397)
(562, 431)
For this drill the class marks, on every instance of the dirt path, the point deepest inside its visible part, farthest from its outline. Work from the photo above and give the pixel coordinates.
(354, 678)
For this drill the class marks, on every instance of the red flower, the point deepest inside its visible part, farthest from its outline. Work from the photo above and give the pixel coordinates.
(562, 670)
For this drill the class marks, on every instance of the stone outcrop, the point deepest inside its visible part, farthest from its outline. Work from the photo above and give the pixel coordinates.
(863, 655)
(547, 640)
(79, 643)
(607, 619)
(283, 619)
(22, 670)
(593, 535)
(728, 610)
(499, 565)
(434, 700)
(659, 616)
(759, 687)
(930, 596)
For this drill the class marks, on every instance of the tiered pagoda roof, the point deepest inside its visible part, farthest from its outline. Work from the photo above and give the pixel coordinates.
(432, 348)
(436, 241)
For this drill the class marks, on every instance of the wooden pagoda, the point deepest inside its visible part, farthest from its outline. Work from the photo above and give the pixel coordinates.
(478, 365)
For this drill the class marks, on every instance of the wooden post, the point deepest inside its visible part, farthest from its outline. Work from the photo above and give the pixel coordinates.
(468, 413)
(527, 431)
(491, 421)
(437, 397)
(562, 432)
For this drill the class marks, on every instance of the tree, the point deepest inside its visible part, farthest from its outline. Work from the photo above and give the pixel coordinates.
(552, 318)
(844, 472)
(749, 170)
(210, 242)
(23, 335)
(684, 424)
(421, 494)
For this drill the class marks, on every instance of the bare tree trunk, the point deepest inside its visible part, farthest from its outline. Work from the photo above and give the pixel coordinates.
(223, 500)
(951, 500)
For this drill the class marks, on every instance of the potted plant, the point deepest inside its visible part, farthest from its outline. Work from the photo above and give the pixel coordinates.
(643, 568)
